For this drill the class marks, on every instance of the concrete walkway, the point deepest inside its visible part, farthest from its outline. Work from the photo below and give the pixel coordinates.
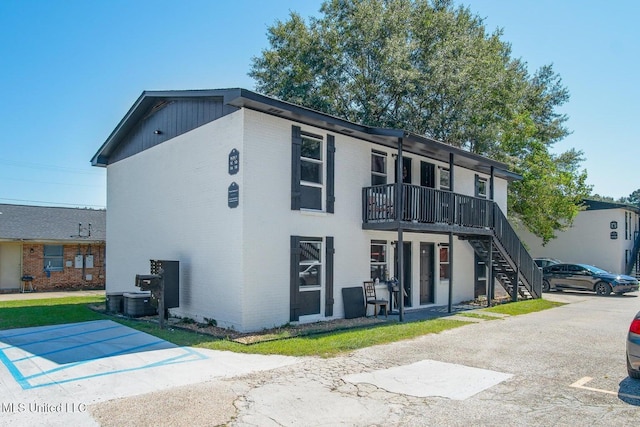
(45, 295)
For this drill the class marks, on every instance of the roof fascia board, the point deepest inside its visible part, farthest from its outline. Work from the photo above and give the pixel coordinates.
(384, 136)
(243, 98)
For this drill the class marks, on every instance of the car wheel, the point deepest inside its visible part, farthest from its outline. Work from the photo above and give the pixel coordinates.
(631, 372)
(602, 288)
(546, 287)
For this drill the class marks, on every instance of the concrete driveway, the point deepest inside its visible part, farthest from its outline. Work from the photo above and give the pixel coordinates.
(566, 368)
(563, 366)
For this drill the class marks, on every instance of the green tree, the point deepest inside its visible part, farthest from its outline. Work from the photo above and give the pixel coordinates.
(634, 198)
(431, 68)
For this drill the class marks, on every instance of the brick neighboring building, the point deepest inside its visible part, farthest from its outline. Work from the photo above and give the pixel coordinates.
(60, 248)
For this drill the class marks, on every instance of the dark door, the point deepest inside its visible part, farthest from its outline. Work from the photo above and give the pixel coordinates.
(427, 174)
(480, 277)
(406, 254)
(406, 170)
(426, 273)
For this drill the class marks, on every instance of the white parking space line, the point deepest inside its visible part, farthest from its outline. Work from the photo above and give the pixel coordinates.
(581, 384)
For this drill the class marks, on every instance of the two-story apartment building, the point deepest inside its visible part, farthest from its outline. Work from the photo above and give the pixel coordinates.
(272, 209)
(604, 234)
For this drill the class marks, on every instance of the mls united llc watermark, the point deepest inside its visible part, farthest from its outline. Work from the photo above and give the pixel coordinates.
(42, 408)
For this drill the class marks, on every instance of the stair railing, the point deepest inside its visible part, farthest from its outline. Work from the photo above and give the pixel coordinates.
(633, 259)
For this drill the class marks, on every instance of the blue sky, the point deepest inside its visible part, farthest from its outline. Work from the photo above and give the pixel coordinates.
(70, 70)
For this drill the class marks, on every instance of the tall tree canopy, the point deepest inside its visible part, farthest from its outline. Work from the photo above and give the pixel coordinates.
(431, 68)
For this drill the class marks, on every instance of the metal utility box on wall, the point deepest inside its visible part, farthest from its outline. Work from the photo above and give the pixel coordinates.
(171, 275)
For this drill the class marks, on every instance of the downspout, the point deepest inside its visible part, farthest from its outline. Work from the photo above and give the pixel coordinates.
(400, 245)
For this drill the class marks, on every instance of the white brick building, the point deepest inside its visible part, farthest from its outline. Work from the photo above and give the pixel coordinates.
(272, 209)
(604, 234)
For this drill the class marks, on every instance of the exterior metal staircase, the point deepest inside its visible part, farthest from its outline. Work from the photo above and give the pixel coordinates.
(504, 268)
(477, 220)
(633, 265)
(512, 265)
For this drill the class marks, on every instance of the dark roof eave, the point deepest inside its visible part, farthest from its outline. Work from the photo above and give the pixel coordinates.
(243, 98)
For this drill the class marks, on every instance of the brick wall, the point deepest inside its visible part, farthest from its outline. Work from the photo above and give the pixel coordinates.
(70, 277)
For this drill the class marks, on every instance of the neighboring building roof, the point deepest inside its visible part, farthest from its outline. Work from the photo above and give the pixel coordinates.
(40, 223)
(594, 205)
(230, 100)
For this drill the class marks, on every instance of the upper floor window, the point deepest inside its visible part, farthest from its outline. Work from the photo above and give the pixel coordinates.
(445, 179)
(378, 168)
(481, 187)
(312, 171)
(53, 257)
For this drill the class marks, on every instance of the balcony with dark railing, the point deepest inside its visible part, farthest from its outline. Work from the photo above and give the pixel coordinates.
(435, 211)
(426, 206)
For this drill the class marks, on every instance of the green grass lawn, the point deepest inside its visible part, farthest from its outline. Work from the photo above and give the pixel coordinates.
(523, 307)
(52, 311)
(26, 313)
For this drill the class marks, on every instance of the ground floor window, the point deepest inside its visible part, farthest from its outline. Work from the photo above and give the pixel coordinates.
(378, 260)
(53, 257)
(444, 261)
(310, 265)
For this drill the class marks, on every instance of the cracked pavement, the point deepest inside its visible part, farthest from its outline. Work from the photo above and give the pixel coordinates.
(545, 352)
(564, 366)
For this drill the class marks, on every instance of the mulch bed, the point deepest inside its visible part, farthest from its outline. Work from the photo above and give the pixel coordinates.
(277, 333)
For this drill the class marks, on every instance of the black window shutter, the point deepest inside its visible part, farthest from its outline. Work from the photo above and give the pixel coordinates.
(296, 146)
(331, 168)
(328, 308)
(477, 185)
(294, 279)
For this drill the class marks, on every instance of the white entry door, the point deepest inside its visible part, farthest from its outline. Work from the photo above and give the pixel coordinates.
(10, 265)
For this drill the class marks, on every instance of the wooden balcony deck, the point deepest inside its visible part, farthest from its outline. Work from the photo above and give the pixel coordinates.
(429, 210)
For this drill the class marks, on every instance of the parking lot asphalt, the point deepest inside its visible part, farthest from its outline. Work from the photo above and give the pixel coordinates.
(51, 375)
(563, 366)
(566, 368)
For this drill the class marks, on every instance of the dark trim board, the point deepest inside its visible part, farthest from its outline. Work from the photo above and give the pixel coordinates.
(426, 228)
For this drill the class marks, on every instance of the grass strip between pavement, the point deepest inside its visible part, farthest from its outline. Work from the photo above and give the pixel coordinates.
(41, 312)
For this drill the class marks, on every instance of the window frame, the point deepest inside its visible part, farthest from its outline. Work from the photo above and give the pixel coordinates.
(378, 265)
(380, 175)
(442, 173)
(482, 187)
(306, 263)
(446, 263)
(47, 258)
(305, 184)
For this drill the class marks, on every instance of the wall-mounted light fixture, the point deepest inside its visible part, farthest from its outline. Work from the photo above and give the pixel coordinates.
(157, 132)
(31, 250)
